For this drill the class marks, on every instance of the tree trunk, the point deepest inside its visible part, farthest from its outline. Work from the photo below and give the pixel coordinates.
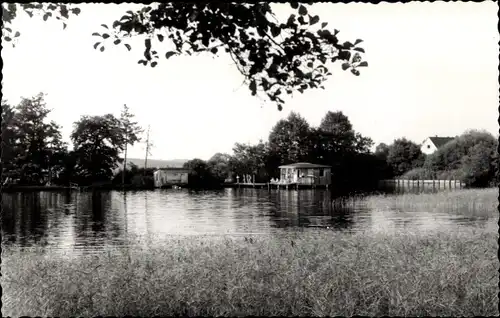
(147, 152)
(124, 165)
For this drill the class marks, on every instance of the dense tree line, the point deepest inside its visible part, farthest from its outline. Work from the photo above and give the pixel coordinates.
(292, 139)
(33, 153)
(471, 157)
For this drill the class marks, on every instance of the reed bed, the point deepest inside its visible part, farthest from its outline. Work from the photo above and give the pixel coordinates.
(467, 201)
(314, 273)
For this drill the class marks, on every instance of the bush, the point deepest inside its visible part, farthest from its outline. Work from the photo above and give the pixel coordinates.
(418, 174)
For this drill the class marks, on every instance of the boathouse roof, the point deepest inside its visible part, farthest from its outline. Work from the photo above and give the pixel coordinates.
(304, 165)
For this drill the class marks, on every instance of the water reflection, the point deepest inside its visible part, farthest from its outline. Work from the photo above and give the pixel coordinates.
(93, 221)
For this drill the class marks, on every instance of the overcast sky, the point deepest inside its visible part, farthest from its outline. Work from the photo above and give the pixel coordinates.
(433, 70)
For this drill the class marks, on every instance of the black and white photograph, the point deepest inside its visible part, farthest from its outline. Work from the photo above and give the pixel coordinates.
(233, 159)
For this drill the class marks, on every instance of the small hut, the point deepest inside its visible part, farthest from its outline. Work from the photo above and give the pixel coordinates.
(170, 177)
(305, 173)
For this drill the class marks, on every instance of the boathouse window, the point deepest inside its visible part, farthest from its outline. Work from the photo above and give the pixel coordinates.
(321, 172)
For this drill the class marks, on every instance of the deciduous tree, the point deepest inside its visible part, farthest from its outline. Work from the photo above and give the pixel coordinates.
(289, 139)
(38, 142)
(131, 131)
(404, 155)
(97, 142)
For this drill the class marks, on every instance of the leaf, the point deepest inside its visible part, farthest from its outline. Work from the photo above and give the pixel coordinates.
(105, 35)
(363, 64)
(104, 26)
(345, 66)
(214, 50)
(280, 107)
(160, 37)
(153, 64)
(169, 54)
(96, 34)
(96, 45)
(102, 48)
(359, 49)
(117, 41)
(17, 34)
(275, 31)
(314, 20)
(64, 26)
(357, 41)
(294, 5)
(291, 19)
(45, 16)
(324, 24)
(310, 64)
(347, 45)
(128, 47)
(116, 23)
(76, 11)
(302, 10)
(8, 39)
(355, 72)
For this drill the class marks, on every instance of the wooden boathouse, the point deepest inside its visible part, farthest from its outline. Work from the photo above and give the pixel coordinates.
(303, 175)
(298, 175)
(168, 177)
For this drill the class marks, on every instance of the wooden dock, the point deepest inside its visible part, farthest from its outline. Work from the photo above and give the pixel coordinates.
(273, 185)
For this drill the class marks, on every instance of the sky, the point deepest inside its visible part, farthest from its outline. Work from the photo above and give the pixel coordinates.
(433, 70)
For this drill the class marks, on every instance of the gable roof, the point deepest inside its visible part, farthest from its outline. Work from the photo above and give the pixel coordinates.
(304, 165)
(440, 141)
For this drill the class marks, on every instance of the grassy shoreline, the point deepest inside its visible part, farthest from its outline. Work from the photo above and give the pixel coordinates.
(306, 274)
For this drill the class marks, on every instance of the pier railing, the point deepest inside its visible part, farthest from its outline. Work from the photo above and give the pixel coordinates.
(423, 184)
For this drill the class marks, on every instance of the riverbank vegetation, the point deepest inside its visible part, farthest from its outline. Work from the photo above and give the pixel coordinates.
(35, 153)
(308, 273)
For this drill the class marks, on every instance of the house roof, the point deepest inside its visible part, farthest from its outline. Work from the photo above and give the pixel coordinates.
(172, 169)
(440, 141)
(304, 165)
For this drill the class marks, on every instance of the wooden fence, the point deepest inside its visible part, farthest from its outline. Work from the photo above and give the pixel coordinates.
(401, 184)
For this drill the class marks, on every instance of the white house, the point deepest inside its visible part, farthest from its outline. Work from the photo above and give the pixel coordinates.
(431, 144)
(170, 176)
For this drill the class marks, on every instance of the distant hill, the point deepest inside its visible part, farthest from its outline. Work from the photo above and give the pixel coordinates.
(154, 163)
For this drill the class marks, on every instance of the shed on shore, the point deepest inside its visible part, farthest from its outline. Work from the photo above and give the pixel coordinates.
(170, 176)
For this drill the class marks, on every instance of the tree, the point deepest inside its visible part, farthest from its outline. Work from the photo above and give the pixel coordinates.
(149, 144)
(219, 166)
(275, 58)
(200, 175)
(131, 130)
(98, 141)
(382, 151)
(9, 136)
(337, 126)
(404, 155)
(252, 160)
(38, 144)
(476, 165)
(290, 140)
(471, 157)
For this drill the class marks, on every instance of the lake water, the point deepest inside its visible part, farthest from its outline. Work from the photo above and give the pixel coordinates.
(89, 222)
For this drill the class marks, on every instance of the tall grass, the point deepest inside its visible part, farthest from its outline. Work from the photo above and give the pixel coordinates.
(311, 274)
(467, 201)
